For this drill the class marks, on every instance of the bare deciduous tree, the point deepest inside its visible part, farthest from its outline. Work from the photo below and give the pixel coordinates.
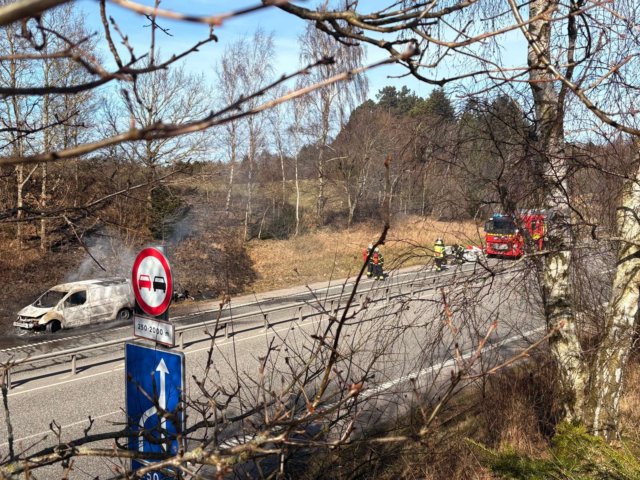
(329, 106)
(255, 76)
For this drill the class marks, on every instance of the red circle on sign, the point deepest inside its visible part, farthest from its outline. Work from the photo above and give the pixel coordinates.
(160, 309)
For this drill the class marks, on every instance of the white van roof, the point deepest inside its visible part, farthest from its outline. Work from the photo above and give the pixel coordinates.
(97, 283)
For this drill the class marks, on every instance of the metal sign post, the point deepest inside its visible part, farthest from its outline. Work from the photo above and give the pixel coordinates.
(150, 370)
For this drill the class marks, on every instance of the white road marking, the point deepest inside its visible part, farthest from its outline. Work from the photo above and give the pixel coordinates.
(421, 373)
(17, 440)
(62, 383)
(233, 441)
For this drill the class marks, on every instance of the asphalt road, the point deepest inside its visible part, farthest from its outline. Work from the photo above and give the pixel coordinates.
(410, 336)
(14, 346)
(41, 342)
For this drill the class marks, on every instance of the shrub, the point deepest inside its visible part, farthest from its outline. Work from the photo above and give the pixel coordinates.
(278, 227)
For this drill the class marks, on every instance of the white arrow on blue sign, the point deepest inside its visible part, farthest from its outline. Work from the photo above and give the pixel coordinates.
(143, 366)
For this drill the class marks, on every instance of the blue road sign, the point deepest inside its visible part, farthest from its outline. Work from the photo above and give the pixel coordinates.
(143, 366)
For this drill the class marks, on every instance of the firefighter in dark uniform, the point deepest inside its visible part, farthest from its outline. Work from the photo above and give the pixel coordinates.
(458, 251)
(438, 250)
(378, 265)
(366, 257)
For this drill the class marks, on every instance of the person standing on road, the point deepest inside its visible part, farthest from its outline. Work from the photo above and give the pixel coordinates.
(378, 265)
(438, 250)
(366, 256)
(458, 251)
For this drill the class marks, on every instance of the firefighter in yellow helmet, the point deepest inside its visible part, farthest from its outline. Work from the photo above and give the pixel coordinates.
(438, 250)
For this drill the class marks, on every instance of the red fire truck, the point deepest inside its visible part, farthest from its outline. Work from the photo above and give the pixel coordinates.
(504, 239)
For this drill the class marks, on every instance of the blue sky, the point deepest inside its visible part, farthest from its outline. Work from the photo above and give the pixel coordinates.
(286, 29)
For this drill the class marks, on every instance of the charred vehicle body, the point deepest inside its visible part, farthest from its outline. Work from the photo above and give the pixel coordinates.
(78, 303)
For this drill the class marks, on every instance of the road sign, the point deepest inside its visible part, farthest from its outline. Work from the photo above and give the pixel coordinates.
(144, 366)
(153, 329)
(152, 281)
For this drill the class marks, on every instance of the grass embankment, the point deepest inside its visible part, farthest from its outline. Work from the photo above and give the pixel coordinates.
(573, 453)
(336, 253)
(502, 427)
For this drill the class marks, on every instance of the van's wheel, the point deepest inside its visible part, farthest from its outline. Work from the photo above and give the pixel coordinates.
(124, 314)
(53, 326)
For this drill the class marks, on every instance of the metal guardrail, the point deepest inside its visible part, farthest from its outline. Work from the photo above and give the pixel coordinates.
(180, 330)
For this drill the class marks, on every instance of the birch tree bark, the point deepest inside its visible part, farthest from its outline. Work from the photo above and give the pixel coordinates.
(47, 147)
(299, 111)
(276, 121)
(228, 75)
(255, 74)
(331, 102)
(555, 270)
(607, 375)
(233, 145)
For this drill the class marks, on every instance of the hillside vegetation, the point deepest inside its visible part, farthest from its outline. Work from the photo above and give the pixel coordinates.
(210, 258)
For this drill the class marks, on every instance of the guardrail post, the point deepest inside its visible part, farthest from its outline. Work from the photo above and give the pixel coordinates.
(300, 314)
(361, 300)
(226, 330)
(331, 312)
(411, 290)
(266, 323)
(181, 340)
(7, 379)
(386, 299)
(73, 364)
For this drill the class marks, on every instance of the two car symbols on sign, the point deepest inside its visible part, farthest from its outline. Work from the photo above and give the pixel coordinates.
(158, 283)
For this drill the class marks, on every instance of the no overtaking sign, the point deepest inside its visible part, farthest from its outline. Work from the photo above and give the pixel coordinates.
(152, 281)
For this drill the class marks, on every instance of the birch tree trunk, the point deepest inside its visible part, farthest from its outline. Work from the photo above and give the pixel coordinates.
(613, 353)
(350, 204)
(43, 192)
(297, 196)
(232, 166)
(284, 180)
(555, 272)
(321, 195)
(19, 199)
(247, 211)
(298, 116)
(424, 193)
(253, 132)
(43, 203)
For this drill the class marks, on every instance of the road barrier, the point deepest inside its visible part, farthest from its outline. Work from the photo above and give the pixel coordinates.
(224, 324)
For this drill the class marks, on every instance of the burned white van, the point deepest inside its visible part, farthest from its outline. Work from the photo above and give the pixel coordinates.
(78, 303)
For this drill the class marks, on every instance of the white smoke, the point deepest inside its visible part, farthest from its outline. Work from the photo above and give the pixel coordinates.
(111, 253)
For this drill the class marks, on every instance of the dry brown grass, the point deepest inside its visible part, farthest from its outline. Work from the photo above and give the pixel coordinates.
(515, 407)
(332, 253)
(630, 401)
(519, 409)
